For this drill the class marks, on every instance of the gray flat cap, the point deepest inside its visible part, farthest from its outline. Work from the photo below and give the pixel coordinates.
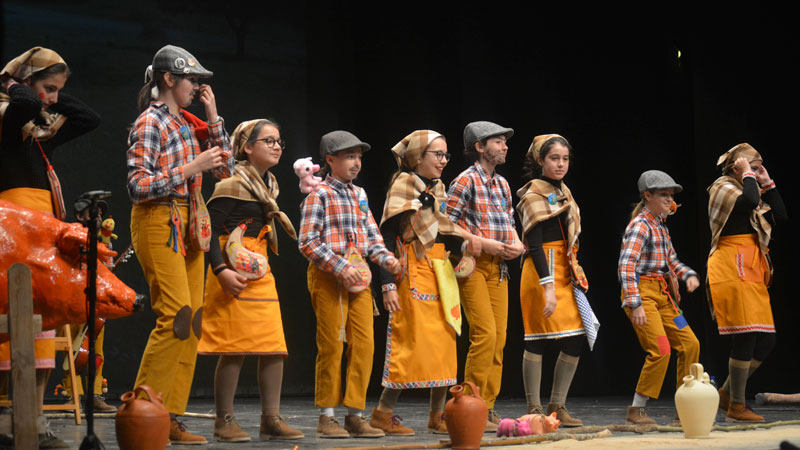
(656, 179)
(177, 60)
(339, 140)
(476, 131)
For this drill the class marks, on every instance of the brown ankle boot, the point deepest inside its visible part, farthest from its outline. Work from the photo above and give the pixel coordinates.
(491, 422)
(436, 423)
(359, 428)
(328, 427)
(273, 427)
(724, 399)
(227, 430)
(389, 423)
(178, 434)
(638, 416)
(740, 412)
(563, 415)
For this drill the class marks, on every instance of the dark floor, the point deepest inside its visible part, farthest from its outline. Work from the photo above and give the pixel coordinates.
(301, 413)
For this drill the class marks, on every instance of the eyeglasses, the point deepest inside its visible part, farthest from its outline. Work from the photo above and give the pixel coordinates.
(271, 141)
(440, 155)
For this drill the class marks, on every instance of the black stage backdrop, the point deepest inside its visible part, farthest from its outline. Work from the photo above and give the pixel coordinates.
(662, 90)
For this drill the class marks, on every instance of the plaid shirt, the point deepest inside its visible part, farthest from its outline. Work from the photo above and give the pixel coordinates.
(157, 152)
(482, 205)
(646, 250)
(332, 216)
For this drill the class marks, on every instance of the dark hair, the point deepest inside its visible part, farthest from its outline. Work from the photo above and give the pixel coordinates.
(471, 153)
(145, 97)
(55, 69)
(254, 135)
(531, 168)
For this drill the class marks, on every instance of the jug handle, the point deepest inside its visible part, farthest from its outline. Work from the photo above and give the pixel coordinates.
(476, 391)
(155, 398)
(696, 370)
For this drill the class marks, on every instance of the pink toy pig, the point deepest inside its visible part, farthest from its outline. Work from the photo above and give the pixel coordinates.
(528, 424)
(305, 169)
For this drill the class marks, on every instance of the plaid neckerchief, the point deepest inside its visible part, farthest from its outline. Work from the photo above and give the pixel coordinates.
(646, 250)
(334, 216)
(159, 144)
(482, 205)
(427, 222)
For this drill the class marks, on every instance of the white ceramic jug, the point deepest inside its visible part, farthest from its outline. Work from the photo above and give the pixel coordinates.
(697, 402)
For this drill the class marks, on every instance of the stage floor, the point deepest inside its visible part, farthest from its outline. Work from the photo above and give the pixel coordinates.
(301, 413)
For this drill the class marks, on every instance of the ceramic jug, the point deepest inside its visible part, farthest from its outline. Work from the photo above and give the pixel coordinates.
(466, 416)
(697, 402)
(142, 424)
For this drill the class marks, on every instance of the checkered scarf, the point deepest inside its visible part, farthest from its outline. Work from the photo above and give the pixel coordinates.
(727, 159)
(427, 223)
(540, 200)
(240, 137)
(246, 184)
(722, 197)
(20, 69)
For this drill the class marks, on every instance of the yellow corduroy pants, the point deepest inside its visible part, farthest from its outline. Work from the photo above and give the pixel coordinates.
(485, 301)
(354, 312)
(176, 296)
(98, 347)
(659, 336)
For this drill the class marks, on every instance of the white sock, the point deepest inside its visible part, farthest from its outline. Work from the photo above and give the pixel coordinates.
(353, 412)
(326, 412)
(639, 400)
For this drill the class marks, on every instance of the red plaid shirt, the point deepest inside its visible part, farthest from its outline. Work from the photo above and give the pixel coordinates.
(333, 216)
(646, 250)
(482, 205)
(157, 151)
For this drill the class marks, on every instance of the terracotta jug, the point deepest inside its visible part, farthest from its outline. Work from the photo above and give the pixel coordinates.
(466, 417)
(142, 424)
(696, 401)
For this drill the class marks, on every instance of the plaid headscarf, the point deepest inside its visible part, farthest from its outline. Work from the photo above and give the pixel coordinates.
(246, 184)
(411, 147)
(744, 149)
(540, 200)
(240, 137)
(538, 142)
(722, 197)
(427, 223)
(21, 68)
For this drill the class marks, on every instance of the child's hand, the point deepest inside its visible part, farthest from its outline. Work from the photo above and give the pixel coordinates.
(511, 251)
(638, 317)
(692, 283)
(351, 275)
(393, 265)
(549, 299)
(390, 301)
(232, 283)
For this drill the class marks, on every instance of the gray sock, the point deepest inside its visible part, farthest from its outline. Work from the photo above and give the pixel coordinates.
(532, 377)
(562, 377)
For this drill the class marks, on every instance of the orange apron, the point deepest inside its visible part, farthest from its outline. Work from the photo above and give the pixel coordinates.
(44, 343)
(420, 345)
(248, 325)
(737, 271)
(566, 319)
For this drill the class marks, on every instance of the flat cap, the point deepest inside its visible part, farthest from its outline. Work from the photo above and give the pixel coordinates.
(475, 131)
(656, 179)
(177, 60)
(339, 140)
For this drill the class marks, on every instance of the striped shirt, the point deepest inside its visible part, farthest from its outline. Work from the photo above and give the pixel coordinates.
(646, 250)
(159, 144)
(333, 216)
(482, 205)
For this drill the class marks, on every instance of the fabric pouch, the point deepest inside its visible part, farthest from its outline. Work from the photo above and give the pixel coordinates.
(448, 293)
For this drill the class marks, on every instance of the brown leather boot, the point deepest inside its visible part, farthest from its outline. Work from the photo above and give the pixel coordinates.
(226, 429)
(638, 416)
(491, 422)
(328, 427)
(563, 415)
(536, 409)
(724, 399)
(436, 423)
(100, 405)
(359, 428)
(389, 423)
(273, 427)
(740, 412)
(178, 434)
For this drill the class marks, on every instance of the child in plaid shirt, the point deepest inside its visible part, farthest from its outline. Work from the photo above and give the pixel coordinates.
(646, 261)
(336, 217)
